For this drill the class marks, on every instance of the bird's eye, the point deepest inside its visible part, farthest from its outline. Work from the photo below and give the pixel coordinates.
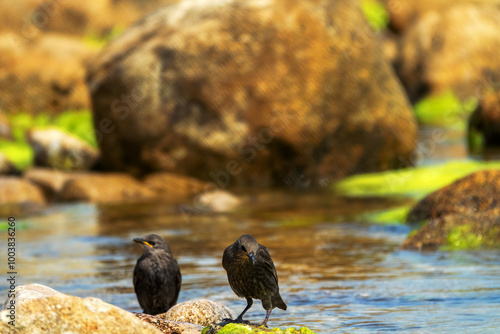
(243, 248)
(152, 243)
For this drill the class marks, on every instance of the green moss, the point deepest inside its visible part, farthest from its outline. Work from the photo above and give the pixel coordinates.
(99, 41)
(414, 182)
(19, 153)
(445, 110)
(463, 237)
(375, 13)
(245, 329)
(394, 216)
(78, 123)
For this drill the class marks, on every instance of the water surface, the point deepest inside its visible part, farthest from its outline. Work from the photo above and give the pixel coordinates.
(336, 273)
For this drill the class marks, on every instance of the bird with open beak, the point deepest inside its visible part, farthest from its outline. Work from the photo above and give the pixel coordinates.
(252, 275)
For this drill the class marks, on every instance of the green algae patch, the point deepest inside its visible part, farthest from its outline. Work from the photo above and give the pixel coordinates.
(445, 110)
(376, 14)
(19, 153)
(465, 238)
(394, 216)
(247, 329)
(412, 182)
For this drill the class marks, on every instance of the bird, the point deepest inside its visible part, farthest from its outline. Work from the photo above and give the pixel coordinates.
(252, 275)
(157, 277)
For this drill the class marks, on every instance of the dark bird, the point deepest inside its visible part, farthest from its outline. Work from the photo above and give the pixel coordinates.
(157, 277)
(252, 275)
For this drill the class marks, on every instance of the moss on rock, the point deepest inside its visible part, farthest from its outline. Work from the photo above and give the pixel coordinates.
(233, 328)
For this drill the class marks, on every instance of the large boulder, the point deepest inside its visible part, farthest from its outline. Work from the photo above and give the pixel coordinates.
(39, 309)
(451, 49)
(244, 92)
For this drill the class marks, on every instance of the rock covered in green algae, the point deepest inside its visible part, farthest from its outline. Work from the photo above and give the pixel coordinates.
(249, 329)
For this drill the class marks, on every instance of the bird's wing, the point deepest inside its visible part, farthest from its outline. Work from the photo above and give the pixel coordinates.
(268, 262)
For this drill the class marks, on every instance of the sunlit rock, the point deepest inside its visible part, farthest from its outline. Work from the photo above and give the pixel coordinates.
(199, 311)
(40, 309)
(57, 149)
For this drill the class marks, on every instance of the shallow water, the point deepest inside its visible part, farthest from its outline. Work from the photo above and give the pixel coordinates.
(335, 273)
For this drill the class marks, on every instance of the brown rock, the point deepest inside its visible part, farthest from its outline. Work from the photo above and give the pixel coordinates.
(246, 92)
(476, 192)
(468, 210)
(28, 292)
(51, 181)
(104, 188)
(59, 313)
(174, 186)
(34, 17)
(170, 327)
(19, 196)
(58, 149)
(404, 13)
(203, 312)
(462, 231)
(486, 119)
(452, 49)
(49, 71)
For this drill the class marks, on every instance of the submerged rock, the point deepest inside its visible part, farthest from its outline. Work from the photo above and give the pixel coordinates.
(275, 92)
(199, 311)
(464, 214)
(40, 309)
(58, 149)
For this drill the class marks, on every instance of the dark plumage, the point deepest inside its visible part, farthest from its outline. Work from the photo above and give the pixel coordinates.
(157, 277)
(252, 275)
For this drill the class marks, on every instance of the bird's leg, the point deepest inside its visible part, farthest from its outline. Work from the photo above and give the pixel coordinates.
(268, 313)
(240, 317)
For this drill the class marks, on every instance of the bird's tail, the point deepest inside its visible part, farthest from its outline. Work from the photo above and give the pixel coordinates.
(278, 301)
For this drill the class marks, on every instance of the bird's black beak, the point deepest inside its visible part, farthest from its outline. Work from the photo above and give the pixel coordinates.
(251, 255)
(142, 241)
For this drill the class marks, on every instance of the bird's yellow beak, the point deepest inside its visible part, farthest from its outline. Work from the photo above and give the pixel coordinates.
(142, 241)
